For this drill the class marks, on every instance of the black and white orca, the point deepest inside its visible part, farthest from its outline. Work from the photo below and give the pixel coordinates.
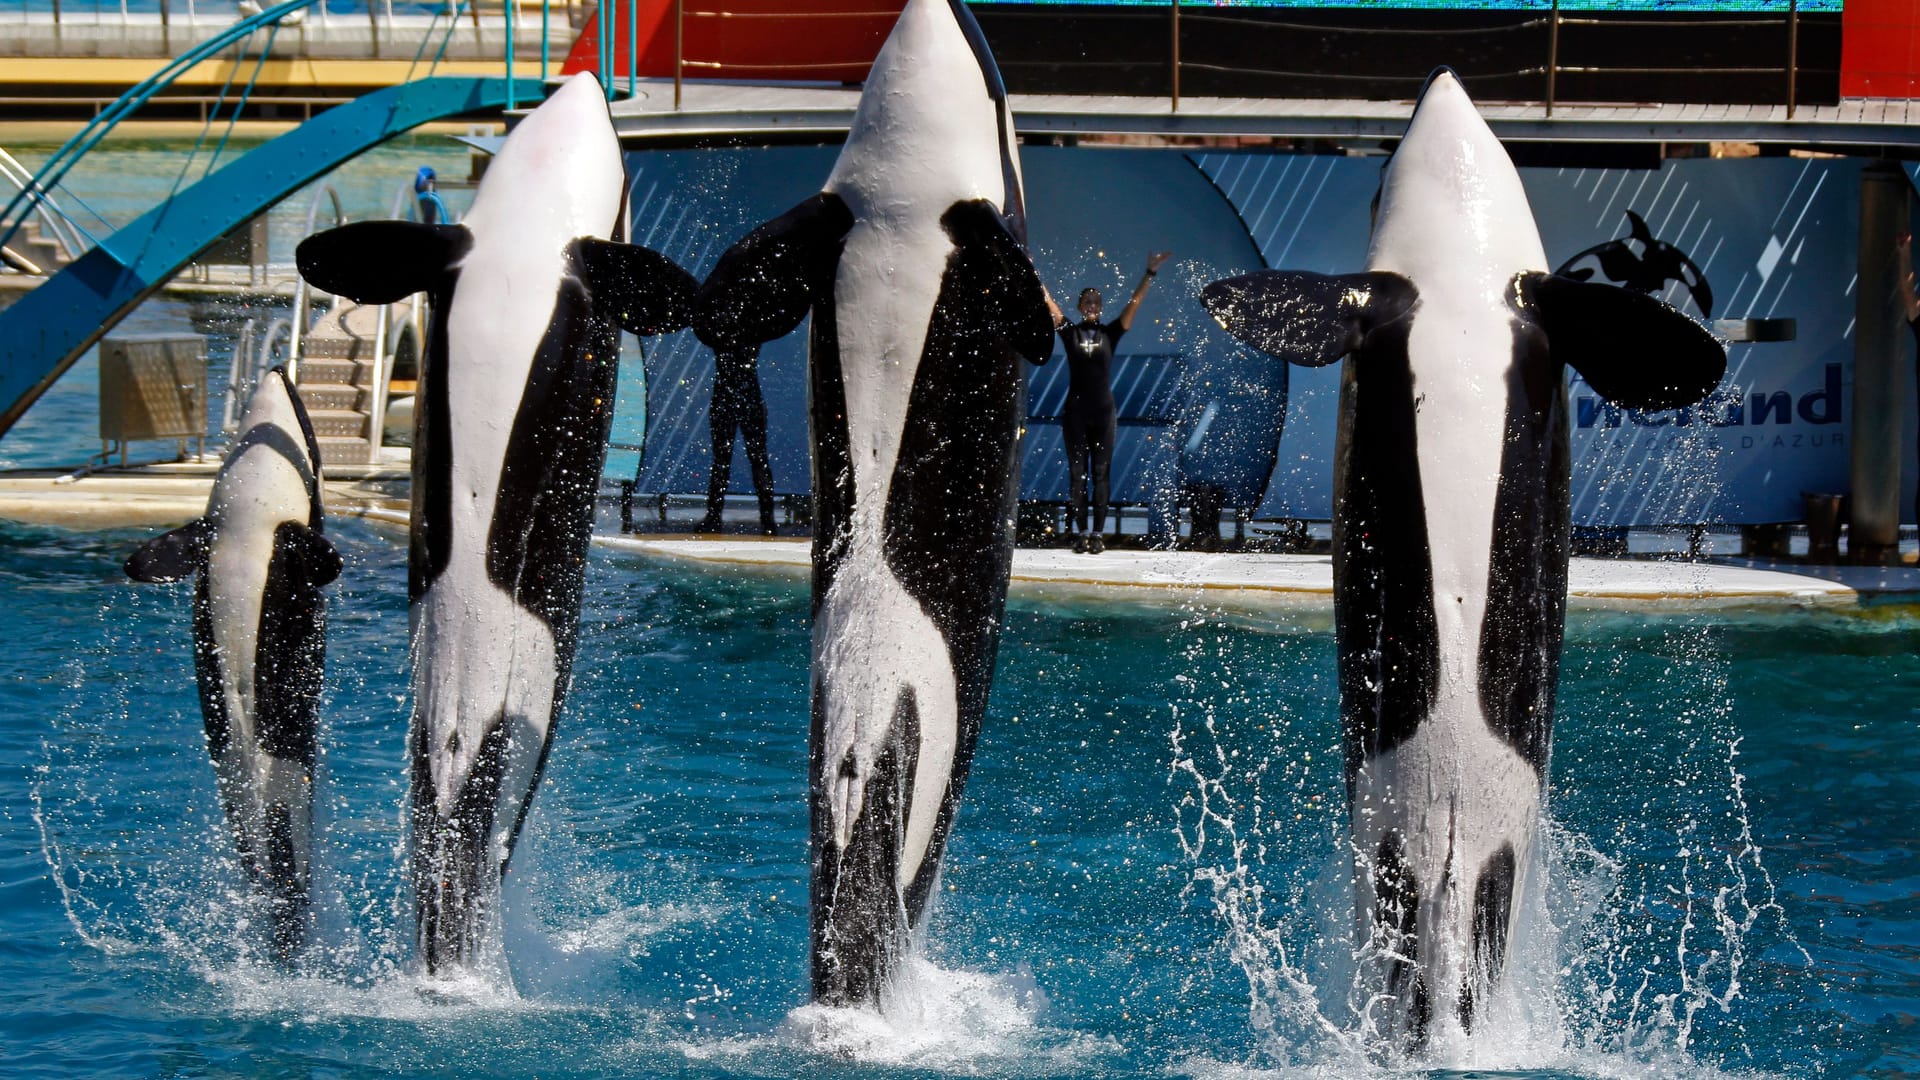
(1450, 532)
(259, 642)
(913, 263)
(528, 298)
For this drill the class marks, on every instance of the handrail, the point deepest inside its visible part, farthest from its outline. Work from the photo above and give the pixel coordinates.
(87, 137)
(65, 231)
(313, 209)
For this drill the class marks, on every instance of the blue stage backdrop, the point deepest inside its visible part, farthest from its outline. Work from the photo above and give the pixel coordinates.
(1771, 238)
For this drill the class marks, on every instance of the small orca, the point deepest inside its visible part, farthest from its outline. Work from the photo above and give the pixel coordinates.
(913, 262)
(528, 297)
(1450, 531)
(259, 641)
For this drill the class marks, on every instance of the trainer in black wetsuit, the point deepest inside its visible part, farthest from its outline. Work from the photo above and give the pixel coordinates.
(1088, 422)
(737, 404)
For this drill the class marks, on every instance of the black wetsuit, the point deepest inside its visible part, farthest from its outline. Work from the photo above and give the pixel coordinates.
(1088, 422)
(737, 404)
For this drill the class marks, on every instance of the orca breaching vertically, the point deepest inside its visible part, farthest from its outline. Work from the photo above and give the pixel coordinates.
(259, 642)
(1450, 531)
(913, 262)
(529, 298)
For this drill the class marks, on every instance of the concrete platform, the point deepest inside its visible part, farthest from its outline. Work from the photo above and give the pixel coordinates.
(1265, 580)
(167, 494)
(163, 496)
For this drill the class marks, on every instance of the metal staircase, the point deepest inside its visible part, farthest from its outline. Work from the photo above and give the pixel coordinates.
(341, 371)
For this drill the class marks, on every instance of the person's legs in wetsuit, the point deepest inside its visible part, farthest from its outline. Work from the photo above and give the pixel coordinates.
(1100, 436)
(752, 416)
(1075, 434)
(723, 416)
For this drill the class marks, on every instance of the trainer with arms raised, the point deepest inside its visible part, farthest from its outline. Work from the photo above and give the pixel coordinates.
(1090, 419)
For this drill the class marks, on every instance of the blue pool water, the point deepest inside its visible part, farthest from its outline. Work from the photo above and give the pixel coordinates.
(1147, 877)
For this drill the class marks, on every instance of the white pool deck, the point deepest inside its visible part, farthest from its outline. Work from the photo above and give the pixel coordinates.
(165, 496)
(1260, 580)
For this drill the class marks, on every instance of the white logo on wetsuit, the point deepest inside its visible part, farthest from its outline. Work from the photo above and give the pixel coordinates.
(1088, 338)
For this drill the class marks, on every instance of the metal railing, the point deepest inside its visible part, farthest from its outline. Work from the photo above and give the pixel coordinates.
(1558, 29)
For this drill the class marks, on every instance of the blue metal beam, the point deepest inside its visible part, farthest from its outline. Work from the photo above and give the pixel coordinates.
(47, 329)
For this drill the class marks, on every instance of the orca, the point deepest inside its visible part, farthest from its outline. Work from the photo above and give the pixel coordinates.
(528, 298)
(259, 557)
(1450, 533)
(913, 262)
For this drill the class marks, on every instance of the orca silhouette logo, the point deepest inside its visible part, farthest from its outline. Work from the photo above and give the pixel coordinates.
(1639, 263)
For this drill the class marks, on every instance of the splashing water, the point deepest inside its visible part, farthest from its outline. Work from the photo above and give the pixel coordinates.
(1629, 947)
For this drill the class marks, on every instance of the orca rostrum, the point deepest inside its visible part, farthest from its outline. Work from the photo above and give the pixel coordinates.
(259, 642)
(528, 298)
(912, 261)
(1450, 534)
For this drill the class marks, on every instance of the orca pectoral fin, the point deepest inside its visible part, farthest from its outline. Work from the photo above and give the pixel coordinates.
(380, 262)
(312, 557)
(765, 284)
(172, 555)
(1306, 318)
(1632, 349)
(643, 290)
(994, 267)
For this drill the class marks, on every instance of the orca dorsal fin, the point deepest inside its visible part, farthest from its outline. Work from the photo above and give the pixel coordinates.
(645, 292)
(764, 285)
(1306, 318)
(994, 267)
(310, 556)
(380, 262)
(1632, 349)
(173, 555)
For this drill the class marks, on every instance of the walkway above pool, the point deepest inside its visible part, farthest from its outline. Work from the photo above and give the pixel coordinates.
(750, 111)
(1245, 579)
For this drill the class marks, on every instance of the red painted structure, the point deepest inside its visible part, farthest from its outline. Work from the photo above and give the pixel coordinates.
(1880, 49)
(821, 40)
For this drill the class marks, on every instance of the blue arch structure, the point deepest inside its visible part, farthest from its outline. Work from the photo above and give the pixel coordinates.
(49, 328)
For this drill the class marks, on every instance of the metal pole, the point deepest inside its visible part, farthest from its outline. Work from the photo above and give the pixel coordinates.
(606, 49)
(1879, 399)
(546, 8)
(633, 47)
(1176, 55)
(382, 371)
(679, 41)
(507, 8)
(1793, 53)
(1553, 53)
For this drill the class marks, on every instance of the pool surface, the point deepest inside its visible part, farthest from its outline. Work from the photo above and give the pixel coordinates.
(1147, 876)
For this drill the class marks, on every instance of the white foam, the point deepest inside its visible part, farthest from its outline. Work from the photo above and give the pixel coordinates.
(932, 1018)
(628, 931)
